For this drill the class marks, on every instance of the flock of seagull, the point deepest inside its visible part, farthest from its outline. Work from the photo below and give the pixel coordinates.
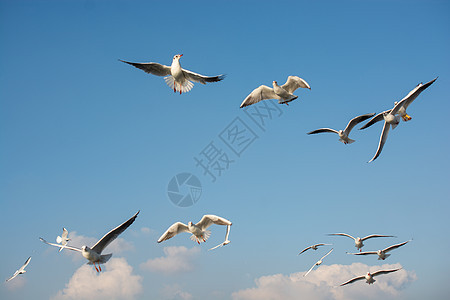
(181, 80)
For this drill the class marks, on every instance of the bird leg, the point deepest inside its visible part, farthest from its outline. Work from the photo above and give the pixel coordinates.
(198, 241)
(203, 239)
(174, 88)
(286, 103)
(96, 268)
(406, 118)
(100, 267)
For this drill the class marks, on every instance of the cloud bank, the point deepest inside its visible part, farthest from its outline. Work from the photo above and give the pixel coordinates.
(324, 282)
(115, 282)
(176, 260)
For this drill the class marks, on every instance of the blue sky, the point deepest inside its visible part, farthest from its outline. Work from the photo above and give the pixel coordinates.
(86, 141)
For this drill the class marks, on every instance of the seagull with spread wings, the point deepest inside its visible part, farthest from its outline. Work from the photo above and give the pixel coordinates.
(63, 239)
(343, 134)
(281, 93)
(382, 254)
(199, 232)
(20, 271)
(318, 263)
(369, 276)
(94, 254)
(176, 77)
(314, 247)
(359, 241)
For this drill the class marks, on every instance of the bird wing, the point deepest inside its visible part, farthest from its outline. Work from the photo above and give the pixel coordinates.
(353, 122)
(323, 130)
(375, 236)
(343, 234)
(64, 234)
(14, 276)
(395, 246)
(384, 272)
(327, 254)
(220, 245)
(151, 68)
(375, 119)
(363, 253)
(309, 270)
(25, 264)
(263, 92)
(307, 248)
(293, 83)
(61, 246)
(113, 234)
(415, 92)
(383, 138)
(353, 280)
(228, 232)
(201, 78)
(208, 220)
(173, 230)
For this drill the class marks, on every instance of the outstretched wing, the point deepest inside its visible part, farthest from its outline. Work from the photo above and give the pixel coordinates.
(64, 234)
(383, 138)
(375, 119)
(353, 122)
(263, 92)
(201, 78)
(60, 246)
(384, 272)
(151, 68)
(363, 253)
(309, 270)
(375, 236)
(307, 248)
(353, 280)
(323, 130)
(25, 264)
(327, 254)
(14, 276)
(293, 83)
(173, 230)
(113, 234)
(405, 102)
(343, 234)
(208, 220)
(390, 248)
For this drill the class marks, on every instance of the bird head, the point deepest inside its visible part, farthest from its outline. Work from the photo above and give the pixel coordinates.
(177, 57)
(274, 83)
(379, 252)
(84, 248)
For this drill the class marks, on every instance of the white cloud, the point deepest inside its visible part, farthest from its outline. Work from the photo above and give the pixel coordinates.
(119, 245)
(323, 283)
(116, 281)
(174, 292)
(176, 259)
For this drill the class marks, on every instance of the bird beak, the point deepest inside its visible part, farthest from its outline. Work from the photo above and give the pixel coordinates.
(181, 55)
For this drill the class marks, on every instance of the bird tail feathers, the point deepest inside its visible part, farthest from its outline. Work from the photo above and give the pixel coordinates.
(183, 88)
(103, 259)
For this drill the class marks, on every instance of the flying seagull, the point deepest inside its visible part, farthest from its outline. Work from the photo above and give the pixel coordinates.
(359, 241)
(94, 254)
(282, 93)
(226, 242)
(176, 77)
(199, 232)
(314, 247)
(343, 134)
(21, 270)
(63, 239)
(382, 254)
(319, 262)
(369, 277)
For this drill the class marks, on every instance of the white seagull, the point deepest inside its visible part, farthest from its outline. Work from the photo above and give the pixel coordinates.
(63, 239)
(176, 78)
(94, 254)
(343, 134)
(282, 93)
(359, 241)
(226, 242)
(369, 277)
(314, 247)
(410, 98)
(21, 270)
(318, 263)
(382, 254)
(199, 232)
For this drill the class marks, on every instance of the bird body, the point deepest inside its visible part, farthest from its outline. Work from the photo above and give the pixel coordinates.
(314, 247)
(21, 270)
(63, 239)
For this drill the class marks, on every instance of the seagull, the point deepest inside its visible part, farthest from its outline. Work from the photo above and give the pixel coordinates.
(21, 270)
(318, 263)
(381, 253)
(369, 276)
(314, 247)
(94, 254)
(63, 239)
(359, 241)
(282, 93)
(176, 78)
(343, 134)
(226, 242)
(198, 230)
